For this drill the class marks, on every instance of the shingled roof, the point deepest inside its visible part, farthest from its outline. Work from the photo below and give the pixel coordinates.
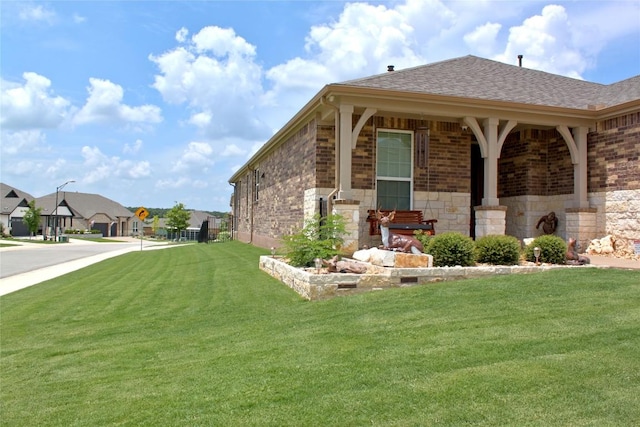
(479, 78)
(86, 205)
(12, 198)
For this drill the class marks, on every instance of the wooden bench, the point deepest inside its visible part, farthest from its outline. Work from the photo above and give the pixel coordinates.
(404, 222)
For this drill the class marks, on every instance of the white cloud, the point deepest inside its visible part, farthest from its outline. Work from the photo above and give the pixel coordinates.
(104, 105)
(133, 148)
(28, 141)
(181, 35)
(546, 42)
(78, 19)
(39, 13)
(196, 157)
(24, 167)
(172, 183)
(100, 167)
(60, 165)
(483, 38)
(232, 150)
(138, 170)
(31, 105)
(216, 75)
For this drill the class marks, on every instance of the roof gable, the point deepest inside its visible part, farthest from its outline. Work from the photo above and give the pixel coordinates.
(13, 198)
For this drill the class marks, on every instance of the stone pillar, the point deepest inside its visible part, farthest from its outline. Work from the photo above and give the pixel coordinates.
(350, 211)
(490, 220)
(581, 224)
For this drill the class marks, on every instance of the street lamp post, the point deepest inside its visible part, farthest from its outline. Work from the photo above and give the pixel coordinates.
(55, 221)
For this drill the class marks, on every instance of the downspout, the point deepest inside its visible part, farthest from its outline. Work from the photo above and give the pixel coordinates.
(234, 210)
(323, 101)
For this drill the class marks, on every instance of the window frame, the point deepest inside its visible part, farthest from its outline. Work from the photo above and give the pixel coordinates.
(256, 184)
(408, 179)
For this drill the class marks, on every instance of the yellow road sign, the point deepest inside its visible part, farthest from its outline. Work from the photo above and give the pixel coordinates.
(142, 213)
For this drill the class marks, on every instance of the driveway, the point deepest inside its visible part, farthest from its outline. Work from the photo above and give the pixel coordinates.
(29, 263)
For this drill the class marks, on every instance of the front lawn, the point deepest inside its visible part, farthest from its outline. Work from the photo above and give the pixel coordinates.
(198, 336)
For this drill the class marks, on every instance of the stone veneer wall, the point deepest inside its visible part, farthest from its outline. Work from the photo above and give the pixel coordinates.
(452, 210)
(523, 213)
(312, 286)
(614, 176)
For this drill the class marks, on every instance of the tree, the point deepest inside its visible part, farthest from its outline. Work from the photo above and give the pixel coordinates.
(156, 224)
(32, 217)
(178, 218)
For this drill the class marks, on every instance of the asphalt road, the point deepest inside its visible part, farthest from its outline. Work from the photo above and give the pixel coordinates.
(33, 256)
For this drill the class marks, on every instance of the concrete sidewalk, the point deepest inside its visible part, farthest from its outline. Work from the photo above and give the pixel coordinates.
(613, 262)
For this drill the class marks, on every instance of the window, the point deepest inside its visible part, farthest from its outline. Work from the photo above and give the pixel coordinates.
(256, 181)
(394, 170)
(135, 226)
(246, 199)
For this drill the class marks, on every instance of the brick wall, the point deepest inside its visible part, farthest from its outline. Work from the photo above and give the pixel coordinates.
(535, 162)
(288, 171)
(449, 156)
(613, 154)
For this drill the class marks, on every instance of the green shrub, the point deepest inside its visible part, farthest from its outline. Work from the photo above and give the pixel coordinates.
(450, 249)
(223, 236)
(553, 249)
(423, 237)
(320, 238)
(498, 250)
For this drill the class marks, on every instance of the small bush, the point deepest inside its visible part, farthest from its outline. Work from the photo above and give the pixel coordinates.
(498, 250)
(450, 249)
(223, 236)
(320, 238)
(423, 237)
(553, 249)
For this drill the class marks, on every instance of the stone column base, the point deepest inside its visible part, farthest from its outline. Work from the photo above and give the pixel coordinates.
(581, 224)
(350, 211)
(490, 220)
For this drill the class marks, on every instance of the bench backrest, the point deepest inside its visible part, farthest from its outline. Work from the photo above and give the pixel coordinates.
(401, 217)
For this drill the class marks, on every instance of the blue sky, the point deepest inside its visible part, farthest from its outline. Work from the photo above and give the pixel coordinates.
(151, 103)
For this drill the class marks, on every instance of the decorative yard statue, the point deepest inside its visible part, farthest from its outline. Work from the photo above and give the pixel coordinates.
(573, 258)
(335, 265)
(549, 223)
(392, 241)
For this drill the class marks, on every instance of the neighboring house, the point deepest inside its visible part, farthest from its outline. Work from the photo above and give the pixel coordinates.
(14, 204)
(481, 146)
(85, 211)
(196, 220)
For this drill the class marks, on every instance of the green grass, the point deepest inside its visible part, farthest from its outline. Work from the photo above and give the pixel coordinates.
(98, 239)
(198, 336)
(7, 245)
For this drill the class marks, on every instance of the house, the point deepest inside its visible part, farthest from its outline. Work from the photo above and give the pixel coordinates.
(14, 205)
(481, 146)
(197, 220)
(85, 211)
